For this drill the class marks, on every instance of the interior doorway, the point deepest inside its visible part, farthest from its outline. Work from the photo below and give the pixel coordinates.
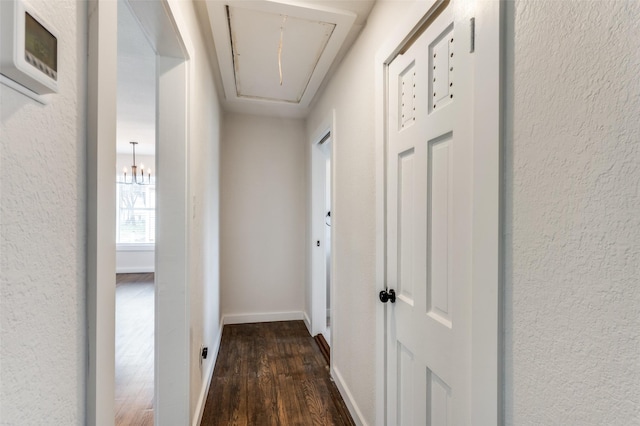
(171, 330)
(135, 222)
(325, 148)
(321, 224)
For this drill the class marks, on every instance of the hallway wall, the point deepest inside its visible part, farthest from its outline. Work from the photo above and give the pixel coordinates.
(351, 92)
(263, 216)
(203, 197)
(572, 221)
(42, 238)
(572, 246)
(43, 341)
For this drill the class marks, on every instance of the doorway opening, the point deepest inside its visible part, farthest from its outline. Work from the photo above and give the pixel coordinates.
(135, 222)
(322, 323)
(170, 329)
(325, 148)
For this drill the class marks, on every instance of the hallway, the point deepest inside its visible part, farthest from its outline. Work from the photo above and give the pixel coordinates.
(272, 374)
(236, 208)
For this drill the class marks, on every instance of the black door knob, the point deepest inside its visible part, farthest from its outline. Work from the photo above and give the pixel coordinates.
(387, 296)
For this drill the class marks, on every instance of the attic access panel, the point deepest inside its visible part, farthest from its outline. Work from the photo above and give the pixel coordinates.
(275, 55)
(247, 39)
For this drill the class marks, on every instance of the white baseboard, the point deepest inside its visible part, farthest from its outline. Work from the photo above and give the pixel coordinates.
(262, 317)
(134, 270)
(206, 384)
(356, 414)
(307, 322)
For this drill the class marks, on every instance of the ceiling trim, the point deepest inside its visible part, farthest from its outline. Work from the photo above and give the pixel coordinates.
(216, 9)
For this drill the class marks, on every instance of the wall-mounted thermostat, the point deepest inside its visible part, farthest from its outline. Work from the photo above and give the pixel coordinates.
(28, 47)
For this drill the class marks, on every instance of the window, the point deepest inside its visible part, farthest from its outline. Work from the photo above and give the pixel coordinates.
(136, 216)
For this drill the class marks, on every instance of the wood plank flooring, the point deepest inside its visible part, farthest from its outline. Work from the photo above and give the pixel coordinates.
(134, 349)
(272, 374)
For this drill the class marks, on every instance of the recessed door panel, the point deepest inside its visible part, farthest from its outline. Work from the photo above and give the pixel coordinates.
(405, 386)
(441, 68)
(438, 401)
(407, 98)
(406, 226)
(439, 213)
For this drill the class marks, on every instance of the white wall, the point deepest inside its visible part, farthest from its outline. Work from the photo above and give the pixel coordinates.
(263, 215)
(133, 259)
(572, 244)
(203, 197)
(351, 93)
(43, 344)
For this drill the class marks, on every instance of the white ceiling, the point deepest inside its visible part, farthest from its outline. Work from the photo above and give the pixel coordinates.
(258, 42)
(307, 23)
(136, 86)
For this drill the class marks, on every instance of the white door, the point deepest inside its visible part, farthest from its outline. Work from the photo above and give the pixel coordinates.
(429, 202)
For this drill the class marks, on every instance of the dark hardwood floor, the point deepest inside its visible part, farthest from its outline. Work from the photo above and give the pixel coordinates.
(134, 349)
(272, 374)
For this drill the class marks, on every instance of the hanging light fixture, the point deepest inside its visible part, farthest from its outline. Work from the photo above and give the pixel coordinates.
(134, 176)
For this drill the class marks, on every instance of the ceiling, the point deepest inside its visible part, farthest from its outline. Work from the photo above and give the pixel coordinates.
(273, 56)
(315, 37)
(136, 108)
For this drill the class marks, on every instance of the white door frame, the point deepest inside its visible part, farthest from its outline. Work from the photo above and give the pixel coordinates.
(486, 387)
(318, 256)
(159, 23)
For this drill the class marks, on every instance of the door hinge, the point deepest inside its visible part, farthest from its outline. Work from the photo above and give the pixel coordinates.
(473, 35)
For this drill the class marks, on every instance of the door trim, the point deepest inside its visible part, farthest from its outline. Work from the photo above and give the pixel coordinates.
(172, 50)
(317, 258)
(486, 338)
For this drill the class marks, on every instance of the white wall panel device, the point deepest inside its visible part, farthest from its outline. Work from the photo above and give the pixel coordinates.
(28, 47)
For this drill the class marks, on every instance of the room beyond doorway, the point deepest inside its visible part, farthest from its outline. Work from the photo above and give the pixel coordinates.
(134, 349)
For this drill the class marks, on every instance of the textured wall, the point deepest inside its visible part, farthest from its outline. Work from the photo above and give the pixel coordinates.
(572, 313)
(351, 92)
(205, 117)
(42, 232)
(262, 215)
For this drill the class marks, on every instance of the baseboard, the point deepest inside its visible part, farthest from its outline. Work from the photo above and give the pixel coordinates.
(262, 317)
(307, 322)
(135, 270)
(213, 353)
(355, 412)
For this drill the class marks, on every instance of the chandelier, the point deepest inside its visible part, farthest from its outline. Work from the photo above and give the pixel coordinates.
(134, 176)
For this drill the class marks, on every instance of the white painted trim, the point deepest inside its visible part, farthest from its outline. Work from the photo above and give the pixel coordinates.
(135, 247)
(354, 410)
(318, 254)
(172, 336)
(262, 317)
(487, 262)
(307, 322)
(211, 363)
(486, 308)
(134, 270)
(216, 10)
(101, 209)
(380, 206)
(155, 18)
(335, 223)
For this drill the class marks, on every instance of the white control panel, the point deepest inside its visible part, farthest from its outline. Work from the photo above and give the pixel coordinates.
(28, 47)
